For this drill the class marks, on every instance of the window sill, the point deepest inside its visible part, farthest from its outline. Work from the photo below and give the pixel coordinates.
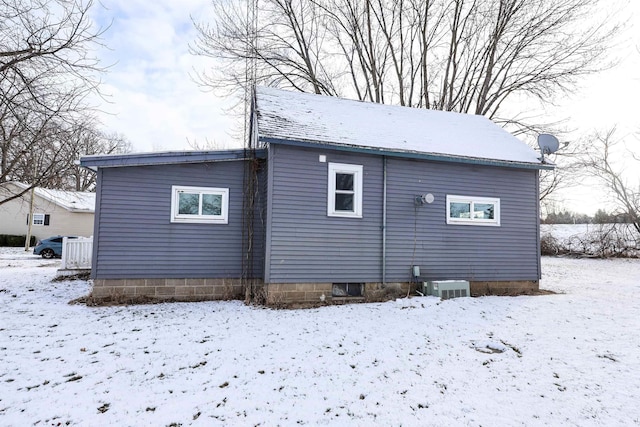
(344, 215)
(477, 223)
(199, 221)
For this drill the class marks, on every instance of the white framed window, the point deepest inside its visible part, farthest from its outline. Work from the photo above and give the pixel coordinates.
(344, 195)
(199, 204)
(38, 219)
(468, 210)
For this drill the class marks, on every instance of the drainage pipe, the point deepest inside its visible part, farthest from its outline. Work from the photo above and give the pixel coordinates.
(384, 220)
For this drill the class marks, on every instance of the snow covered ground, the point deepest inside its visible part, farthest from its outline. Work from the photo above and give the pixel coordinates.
(567, 359)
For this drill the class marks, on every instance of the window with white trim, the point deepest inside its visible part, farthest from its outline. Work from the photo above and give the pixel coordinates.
(344, 195)
(199, 204)
(467, 210)
(39, 219)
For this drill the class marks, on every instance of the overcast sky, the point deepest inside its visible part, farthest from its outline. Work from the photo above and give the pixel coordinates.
(153, 100)
(155, 103)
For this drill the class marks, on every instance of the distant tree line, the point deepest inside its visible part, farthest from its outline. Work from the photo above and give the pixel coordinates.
(600, 217)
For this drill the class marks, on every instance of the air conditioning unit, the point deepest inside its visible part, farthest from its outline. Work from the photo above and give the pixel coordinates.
(447, 289)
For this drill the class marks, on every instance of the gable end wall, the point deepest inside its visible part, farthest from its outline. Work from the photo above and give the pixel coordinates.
(306, 246)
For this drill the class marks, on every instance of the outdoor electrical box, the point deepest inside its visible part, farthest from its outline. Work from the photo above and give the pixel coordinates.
(447, 289)
(415, 270)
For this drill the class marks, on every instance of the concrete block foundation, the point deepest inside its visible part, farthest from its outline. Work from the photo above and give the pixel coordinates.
(131, 291)
(515, 287)
(313, 294)
(147, 290)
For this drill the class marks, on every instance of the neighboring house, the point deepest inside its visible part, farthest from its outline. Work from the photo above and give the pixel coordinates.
(347, 197)
(55, 212)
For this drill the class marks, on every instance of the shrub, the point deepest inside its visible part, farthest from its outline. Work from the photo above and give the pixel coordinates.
(600, 241)
(14, 241)
(549, 245)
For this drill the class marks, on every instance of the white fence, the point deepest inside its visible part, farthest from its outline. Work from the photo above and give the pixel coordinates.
(76, 253)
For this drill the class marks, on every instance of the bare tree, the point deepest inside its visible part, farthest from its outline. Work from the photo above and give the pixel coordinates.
(467, 56)
(82, 139)
(459, 55)
(604, 161)
(570, 171)
(46, 72)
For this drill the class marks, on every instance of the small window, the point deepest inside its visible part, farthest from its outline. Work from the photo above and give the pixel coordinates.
(38, 219)
(347, 289)
(467, 210)
(344, 196)
(200, 204)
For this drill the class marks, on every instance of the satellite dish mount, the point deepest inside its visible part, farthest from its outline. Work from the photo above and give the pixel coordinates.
(548, 144)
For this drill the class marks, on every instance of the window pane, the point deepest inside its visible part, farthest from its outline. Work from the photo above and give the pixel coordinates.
(483, 210)
(339, 290)
(188, 203)
(354, 289)
(344, 181)
(344, 202)
(347, 290)
(459, 210)
(211, 204)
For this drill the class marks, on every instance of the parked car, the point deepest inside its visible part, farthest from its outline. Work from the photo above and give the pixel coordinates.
(51, 247)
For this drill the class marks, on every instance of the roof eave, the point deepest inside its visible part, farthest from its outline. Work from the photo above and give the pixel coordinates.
(164, 158)
(409, 154)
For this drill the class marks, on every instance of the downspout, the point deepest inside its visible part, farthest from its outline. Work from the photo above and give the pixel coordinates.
(384, 220)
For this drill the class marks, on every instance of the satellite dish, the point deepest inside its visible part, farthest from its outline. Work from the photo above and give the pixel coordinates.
(548, 144)
(428, 198)
(421, 199)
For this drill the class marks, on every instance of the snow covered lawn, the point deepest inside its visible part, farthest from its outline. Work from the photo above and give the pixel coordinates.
(566, 359)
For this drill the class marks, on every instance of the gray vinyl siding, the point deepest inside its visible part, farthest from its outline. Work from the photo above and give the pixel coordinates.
(268, 211)
(420, 235)
(305, 245)
(134, 235)
(96, 224)
(538, 249)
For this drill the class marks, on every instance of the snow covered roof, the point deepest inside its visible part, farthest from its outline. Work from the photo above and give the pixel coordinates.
(74, 201)
(295, 117)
